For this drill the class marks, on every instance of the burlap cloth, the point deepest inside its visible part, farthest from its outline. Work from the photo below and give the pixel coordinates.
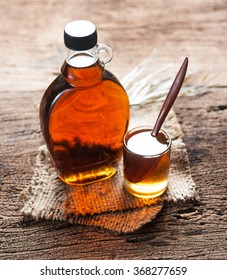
(106, 204)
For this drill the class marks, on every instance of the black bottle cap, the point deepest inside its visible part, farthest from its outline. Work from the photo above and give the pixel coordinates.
(80, 35)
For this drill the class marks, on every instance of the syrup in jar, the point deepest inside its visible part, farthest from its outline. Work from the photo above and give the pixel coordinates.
(84, 113)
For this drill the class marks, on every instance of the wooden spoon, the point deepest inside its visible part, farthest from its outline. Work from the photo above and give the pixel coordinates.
(133, 169)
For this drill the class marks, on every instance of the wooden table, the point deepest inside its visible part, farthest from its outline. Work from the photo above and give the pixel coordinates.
(32, 52)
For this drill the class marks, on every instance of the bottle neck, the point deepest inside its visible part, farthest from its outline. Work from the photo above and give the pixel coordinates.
(83, 68)
(81, 59)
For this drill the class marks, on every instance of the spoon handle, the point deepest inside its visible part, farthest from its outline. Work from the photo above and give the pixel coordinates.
(170, 98)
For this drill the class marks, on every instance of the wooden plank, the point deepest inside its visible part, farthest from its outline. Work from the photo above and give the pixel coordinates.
(32, 52)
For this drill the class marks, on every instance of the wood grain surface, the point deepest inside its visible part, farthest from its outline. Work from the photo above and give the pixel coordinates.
(32, 52)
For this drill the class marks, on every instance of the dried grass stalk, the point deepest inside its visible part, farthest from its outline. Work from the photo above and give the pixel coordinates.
(153, 87)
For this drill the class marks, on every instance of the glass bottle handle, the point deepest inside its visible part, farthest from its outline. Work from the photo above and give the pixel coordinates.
(105, 53)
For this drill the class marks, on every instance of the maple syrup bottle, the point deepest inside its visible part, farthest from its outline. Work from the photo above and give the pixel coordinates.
(84, 113)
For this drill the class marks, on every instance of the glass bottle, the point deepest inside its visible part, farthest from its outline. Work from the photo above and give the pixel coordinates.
(84, 113)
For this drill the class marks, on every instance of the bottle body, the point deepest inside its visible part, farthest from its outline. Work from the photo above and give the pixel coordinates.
(84, 115)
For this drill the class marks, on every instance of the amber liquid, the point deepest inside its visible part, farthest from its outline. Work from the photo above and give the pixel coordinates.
(84, 114)
(146, 176)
